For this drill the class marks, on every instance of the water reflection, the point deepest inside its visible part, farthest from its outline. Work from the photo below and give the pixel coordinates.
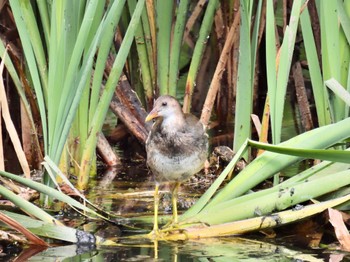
(126, 192)
(228, 249)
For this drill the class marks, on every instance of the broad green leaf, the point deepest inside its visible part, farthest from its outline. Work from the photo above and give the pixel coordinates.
(322, 154)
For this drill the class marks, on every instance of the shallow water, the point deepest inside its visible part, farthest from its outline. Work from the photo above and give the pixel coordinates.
(129, 193)
(228, 249)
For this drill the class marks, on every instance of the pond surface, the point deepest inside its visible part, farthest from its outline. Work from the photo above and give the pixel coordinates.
(228, 249)
(126, 192)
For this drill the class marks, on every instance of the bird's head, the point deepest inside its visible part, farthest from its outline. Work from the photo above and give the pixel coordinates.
(166, 107)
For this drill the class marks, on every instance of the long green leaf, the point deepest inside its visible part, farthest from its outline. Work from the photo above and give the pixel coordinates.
(256, 223)
(339, 90)
(37, 44)
(329, 155)
(26, 205)
(84, 75)
(107, 35)
(244, 96)
(198, 52)
(164, 16)
(344, 18)
(32, 66)
(107, 95)
(330, 37)
(285, 60)
(45, 21)
(143, 56)
(48, 191)
(70, 80)
(319, 91)
(269, 163)
(179, 29)
(278, 200)
(271, 68)
(47, 229)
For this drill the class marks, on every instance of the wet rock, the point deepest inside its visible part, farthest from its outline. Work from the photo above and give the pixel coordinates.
(109, 232)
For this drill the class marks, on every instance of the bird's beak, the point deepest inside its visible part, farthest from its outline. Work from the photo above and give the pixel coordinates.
(153, 114)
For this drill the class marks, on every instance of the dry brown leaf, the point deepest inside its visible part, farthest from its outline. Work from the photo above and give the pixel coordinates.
(9, 124)
(12, 237)
(346, 218)
(336, 257)
(309, 231)
(342, 233)
(257, 123)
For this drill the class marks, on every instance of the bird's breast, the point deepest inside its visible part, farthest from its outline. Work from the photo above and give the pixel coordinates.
(175, 167)
(175, 156)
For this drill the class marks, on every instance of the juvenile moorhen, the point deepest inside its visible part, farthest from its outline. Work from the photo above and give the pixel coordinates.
(176, 148)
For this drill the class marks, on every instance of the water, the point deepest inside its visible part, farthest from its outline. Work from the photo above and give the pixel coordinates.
(228, 249)
(129, 192)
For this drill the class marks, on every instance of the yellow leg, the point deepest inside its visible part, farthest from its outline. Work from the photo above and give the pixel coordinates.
(155, 233)
(174, 202)
(156, 204)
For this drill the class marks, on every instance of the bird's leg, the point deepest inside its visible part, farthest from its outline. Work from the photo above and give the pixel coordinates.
(173, 223)
(174, 202)
(155, 233)
(156, 204)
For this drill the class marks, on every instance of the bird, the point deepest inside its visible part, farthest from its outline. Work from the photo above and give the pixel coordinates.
(176, 147)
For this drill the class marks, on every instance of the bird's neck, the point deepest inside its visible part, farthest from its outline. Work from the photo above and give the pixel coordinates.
(172, 124)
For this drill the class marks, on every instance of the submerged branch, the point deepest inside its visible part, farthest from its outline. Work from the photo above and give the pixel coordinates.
(126, 105)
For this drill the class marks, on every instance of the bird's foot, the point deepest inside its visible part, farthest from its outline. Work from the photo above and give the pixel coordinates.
(156, 234)
(162, 234)
(171, 225)
(173, 230)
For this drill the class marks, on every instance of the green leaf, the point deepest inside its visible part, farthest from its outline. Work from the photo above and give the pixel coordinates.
(329, 155)
(269, 163)
(48, 191)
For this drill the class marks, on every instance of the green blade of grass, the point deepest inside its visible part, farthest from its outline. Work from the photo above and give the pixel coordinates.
(329, 155)
(143, 56)
(179, 29)
(107, 95)
(339, 90)
(271, 58)
(48, 191)
(37, 44)
(248, 206)
(69, 85)
(45, 21)
(32, 67)
(344, 18)
(319, 171)
(330, 50)
(318, 87)
(48, 230)
(244, 88)
(164, 16)
(285, 60)
(269, 163)
(198, 52)
(107, 35)
(256, 223)
(26, 205)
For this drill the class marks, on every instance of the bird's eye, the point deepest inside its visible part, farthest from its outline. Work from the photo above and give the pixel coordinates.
(164, 104)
